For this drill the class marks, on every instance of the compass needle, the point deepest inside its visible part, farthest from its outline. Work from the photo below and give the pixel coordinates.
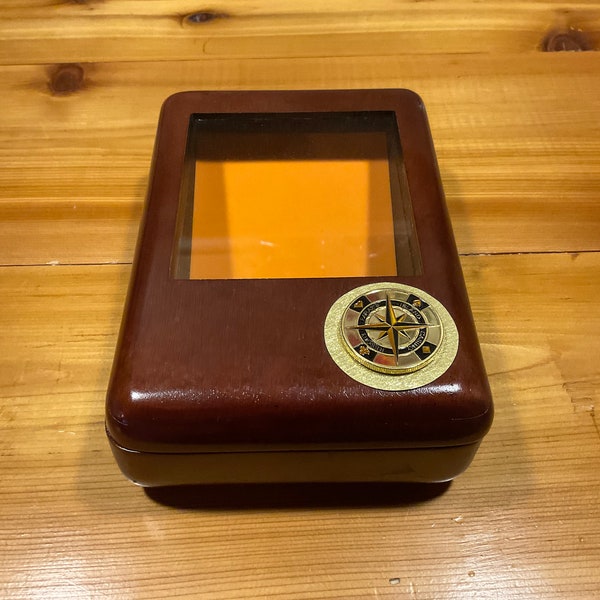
(375, 326)
(404, 334)
(408, 326)
(393, 337)
(390, 314)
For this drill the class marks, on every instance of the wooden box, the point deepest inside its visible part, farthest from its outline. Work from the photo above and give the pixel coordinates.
(297, 310)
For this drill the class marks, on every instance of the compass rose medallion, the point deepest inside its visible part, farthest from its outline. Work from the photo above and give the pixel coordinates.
(391, 331)
(391, 336)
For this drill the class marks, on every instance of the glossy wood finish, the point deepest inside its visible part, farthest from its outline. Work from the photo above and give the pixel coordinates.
(515, 130)
(224, 363)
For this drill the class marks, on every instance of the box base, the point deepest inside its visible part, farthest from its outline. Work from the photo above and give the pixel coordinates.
(426, 465)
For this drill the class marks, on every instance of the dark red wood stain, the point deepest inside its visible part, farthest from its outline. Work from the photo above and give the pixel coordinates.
(213, 364)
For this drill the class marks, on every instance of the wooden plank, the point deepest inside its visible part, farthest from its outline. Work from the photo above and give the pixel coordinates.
(79, 231)
(512, 147)
(95, 31)
(523, 522)
(74, 167)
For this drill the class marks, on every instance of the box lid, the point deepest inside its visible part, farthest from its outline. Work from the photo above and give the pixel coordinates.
(224, 364)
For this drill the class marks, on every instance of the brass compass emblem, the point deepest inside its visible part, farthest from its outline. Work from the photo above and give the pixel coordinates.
(391, 331)
(391, 336)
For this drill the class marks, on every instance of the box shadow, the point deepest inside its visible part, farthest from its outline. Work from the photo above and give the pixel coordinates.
(296, 495)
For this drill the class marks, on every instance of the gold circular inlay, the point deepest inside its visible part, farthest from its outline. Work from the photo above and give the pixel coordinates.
(391, 336)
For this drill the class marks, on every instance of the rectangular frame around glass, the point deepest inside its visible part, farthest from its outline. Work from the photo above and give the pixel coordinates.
(292, 195)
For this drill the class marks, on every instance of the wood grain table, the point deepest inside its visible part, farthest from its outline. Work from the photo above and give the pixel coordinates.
(513, 96)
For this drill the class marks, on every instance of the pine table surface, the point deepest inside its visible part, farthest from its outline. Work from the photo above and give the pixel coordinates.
(512, 91)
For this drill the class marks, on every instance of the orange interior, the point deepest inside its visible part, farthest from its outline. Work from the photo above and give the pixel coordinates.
(292, 218)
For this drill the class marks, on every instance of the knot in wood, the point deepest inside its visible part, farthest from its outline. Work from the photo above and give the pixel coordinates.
(66, 79)
(569, 40)
(205, 16)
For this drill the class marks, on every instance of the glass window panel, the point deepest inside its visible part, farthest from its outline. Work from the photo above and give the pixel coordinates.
(294, 195)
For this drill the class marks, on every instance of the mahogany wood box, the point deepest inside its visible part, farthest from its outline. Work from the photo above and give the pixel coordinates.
(297, 310)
